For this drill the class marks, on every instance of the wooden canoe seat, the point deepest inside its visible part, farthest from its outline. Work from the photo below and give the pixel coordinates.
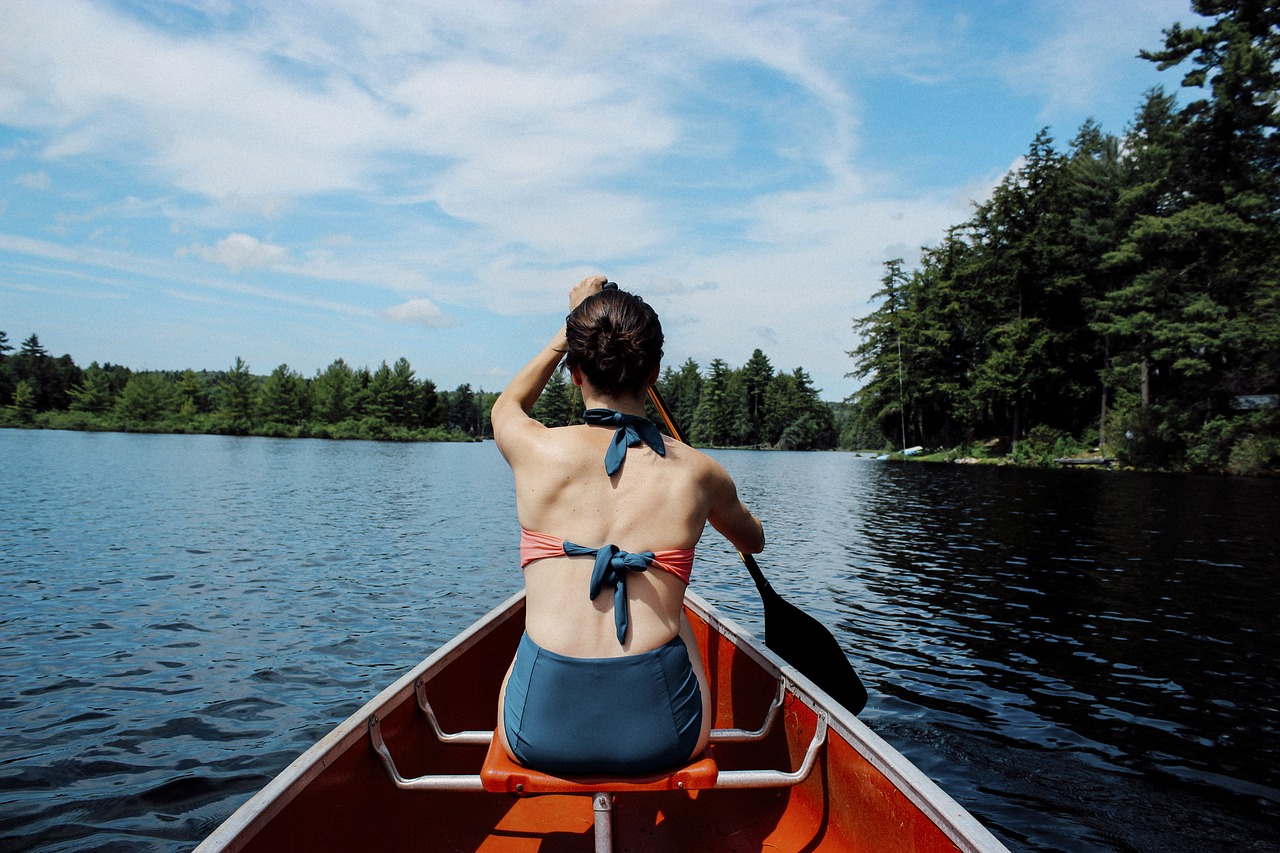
(499, 774)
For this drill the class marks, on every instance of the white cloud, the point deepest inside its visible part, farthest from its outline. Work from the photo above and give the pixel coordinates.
(420, 311)
(1088, 44)
(242, 251)
(487, 155)
(34, 180)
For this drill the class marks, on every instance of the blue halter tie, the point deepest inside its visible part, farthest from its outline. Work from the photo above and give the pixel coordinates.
(632, 431)
(612, 565)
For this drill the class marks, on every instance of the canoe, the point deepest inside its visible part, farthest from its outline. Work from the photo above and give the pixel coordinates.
(413, 770)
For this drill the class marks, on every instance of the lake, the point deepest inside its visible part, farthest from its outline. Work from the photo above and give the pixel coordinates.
(1085, 660)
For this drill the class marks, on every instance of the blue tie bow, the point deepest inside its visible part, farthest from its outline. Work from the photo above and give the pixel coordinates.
(632, 431)
(612, 565)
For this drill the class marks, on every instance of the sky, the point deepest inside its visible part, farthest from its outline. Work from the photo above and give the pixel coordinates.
(185, 183)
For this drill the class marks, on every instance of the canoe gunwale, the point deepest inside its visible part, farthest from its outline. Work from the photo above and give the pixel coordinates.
(961, 827)
(953, 820)
(280, 791)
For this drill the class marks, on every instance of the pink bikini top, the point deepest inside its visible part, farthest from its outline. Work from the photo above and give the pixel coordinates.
(539, 546)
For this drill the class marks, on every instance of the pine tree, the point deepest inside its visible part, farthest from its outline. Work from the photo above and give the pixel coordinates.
(332, 391)
(718, 415)
(95, 395)
(237, 396)
(681, 390)
(146, 400)
(756, 375)
(284, 398)
(555, 405)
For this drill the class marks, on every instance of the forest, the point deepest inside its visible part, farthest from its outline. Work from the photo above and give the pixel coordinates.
(1119, 296)
(752, 406)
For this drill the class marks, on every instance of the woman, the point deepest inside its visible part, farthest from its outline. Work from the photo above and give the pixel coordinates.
(608, 678)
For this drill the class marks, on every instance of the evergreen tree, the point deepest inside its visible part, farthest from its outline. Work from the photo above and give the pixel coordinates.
(401, 400)
(33, 365)
(756, 375)
(237, 396)
(193, 399)
(1224, 330)
(430, 409)
(718, 415)
(24, 402)
(284, 398)
(555, 405)
(681, 390)
(7, 381)
(146, 400)
(393, 395)
(463, 411)
(1023, 229)
(796, 418)
(486, 399)
(361, 398)
(95, 395)
(331, 392)
(879, 357)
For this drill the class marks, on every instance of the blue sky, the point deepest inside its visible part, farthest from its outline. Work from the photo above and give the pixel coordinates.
(182, 183)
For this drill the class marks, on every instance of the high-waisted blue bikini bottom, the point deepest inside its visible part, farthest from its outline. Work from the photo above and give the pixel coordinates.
(585, 716)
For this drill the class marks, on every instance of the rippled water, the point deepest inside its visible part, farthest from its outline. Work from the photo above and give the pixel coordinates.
(1084, 660)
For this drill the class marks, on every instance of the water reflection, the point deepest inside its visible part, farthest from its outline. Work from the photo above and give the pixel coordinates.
(1114, 625)
(1084, 660)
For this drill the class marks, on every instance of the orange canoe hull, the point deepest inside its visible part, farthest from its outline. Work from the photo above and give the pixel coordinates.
(862, 795)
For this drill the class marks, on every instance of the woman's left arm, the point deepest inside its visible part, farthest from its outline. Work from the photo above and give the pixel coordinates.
(510, 414)
(511, 410)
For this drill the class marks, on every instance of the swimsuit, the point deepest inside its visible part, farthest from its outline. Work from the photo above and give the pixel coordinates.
(632, 714)
(611, 568)
(625, 715)
(631, 431)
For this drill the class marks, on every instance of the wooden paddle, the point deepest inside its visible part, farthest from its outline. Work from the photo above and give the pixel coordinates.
(789, 632)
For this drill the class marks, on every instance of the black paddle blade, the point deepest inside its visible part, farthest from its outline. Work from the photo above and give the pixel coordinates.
(806, 644)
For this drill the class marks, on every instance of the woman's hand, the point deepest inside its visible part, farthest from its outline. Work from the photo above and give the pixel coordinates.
(583, 289)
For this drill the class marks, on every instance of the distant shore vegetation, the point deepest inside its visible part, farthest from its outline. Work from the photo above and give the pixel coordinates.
(748, 407)
(1121, 297)
(339, 402)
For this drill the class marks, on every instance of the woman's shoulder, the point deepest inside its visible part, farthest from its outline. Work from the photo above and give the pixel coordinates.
(694, 459)
(544, 446)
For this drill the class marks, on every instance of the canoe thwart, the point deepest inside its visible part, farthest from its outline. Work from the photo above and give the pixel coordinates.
(478, 737)
(443, 782)
(779, 778)
(471, 737)
(500, 774)
(744, 736)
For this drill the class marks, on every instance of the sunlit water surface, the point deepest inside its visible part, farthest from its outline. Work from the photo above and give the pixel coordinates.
(1084, 660)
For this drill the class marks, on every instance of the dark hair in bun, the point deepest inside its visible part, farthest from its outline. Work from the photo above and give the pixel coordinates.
(615, 339)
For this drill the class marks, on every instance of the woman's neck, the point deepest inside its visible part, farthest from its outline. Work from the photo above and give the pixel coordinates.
(628, 404)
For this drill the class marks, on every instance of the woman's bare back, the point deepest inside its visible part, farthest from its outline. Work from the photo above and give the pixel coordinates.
(652, 503)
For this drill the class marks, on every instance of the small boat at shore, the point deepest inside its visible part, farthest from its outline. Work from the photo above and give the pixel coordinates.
(416, 769)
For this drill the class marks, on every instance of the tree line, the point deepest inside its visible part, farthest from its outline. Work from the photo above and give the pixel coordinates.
(1122, 293)
(752, 406)
(389, 403)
